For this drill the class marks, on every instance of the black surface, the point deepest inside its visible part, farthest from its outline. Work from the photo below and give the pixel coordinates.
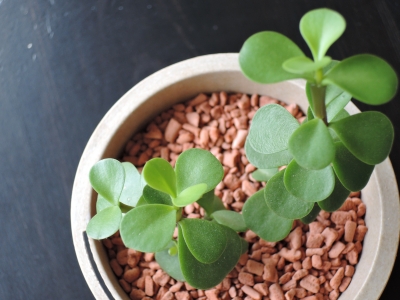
(63, 64)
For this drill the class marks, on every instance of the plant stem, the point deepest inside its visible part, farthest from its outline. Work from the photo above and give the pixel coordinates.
(318, 100)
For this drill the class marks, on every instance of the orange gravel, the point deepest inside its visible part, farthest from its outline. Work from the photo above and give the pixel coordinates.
(315, 262)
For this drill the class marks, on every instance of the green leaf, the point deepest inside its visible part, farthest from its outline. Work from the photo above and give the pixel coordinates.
(312, 146)
(309, 185)
(336, 199)
(340, 115)
(153, 196)
(264, 174)
(148, 228)
(170, 263)
(205, 276)
(245, 246)
(196, 166)
(125, 208)
(263, 221)
(206, 240)
(366, 77)
(283, 203)
(352, 173)
(102, 203)
(368, 136)
(159, 174)
(142, 201)
(190, 195)
(337, 104)
(310, 114)
(304, 65)
(230, 219)
(107, 178)
(320, 28)
(271, 128)
(105, 223)
(312, 215)
(266, 161)
(263, 54)
(211, 203)
(132, 189)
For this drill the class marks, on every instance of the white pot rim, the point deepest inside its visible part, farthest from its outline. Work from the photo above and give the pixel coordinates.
(113, 131)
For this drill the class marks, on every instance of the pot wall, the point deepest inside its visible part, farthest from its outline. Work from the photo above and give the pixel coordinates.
(210, 73)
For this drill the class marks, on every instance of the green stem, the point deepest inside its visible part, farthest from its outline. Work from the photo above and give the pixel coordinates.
(318, 101)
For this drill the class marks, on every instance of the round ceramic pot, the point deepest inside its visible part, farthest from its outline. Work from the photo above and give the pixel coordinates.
(206, 74)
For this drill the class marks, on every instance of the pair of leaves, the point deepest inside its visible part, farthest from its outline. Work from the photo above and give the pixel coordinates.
(216, 252)
(263, 54)
(119, 188)
(196, 172)
(207, 275)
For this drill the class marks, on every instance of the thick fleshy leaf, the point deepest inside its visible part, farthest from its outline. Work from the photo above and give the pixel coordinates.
(148, 228)
(159, 174)
(282, 202)
(352, 172)
(153, 196)
(105, 223)
(304, 65)
(230, 219)
(107, 178)
(267, 161)
(309, 185)
(312, 146)
(271, 128)
(206, 276)
(245, 246)
(320, 28)
(310, 115)
(312, 215)
(336, 105)
(125, 208)
(366, 77)
(190, 195)
(142, 201)
(368, 135)
(196, 166)
(132, 189)
(263, 54)
(206, 240)
(336, 199)
(170, 263)
(102, 203)
(264, 174)
(211, 203)
(340, 115)
(263, 221)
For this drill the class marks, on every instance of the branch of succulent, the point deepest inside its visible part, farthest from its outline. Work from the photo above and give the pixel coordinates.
(206, 249)
(331, 153)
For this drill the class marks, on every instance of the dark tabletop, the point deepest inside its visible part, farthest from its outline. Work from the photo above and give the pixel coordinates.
(63, 64)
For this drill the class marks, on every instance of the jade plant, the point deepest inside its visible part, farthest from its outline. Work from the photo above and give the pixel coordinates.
(146, 208)
(331, 153)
